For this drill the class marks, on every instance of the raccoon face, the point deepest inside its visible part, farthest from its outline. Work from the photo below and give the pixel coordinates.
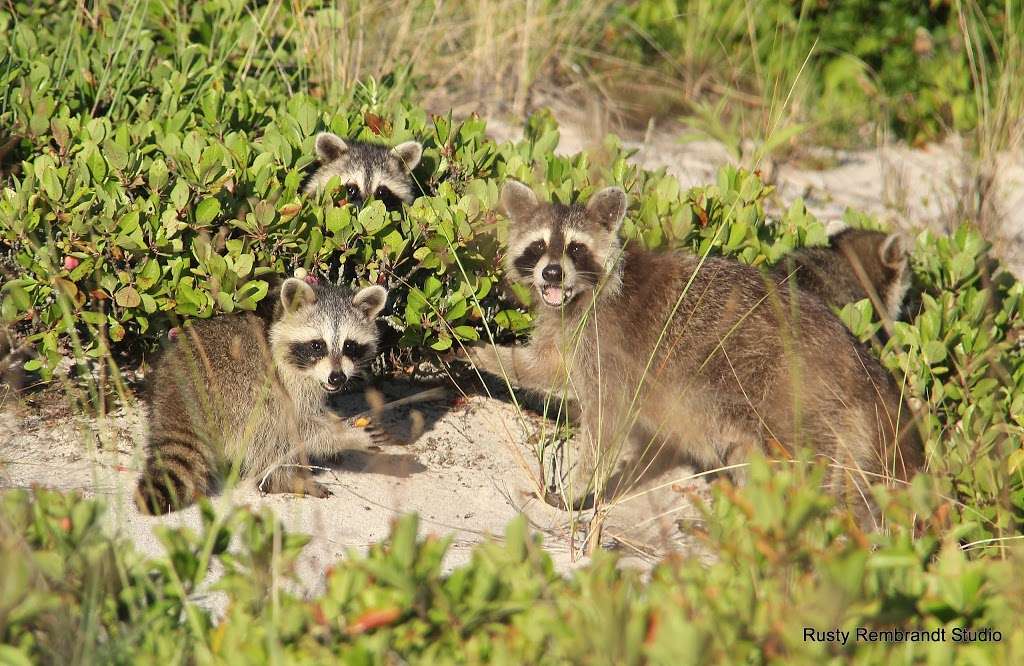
(325, 334)
(366, 170)
(562, 251)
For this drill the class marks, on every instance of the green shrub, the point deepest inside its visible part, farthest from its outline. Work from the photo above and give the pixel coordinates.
(181, 198)
(783, 562)
(850, 63)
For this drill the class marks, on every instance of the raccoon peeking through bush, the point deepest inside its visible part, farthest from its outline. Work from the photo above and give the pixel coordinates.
(366, 170)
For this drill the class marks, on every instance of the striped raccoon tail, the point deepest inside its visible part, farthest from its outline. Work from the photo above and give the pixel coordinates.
(178, 472)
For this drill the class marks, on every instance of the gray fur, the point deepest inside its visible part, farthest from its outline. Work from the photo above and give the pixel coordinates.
(368, 167)
(668, 355)
(230, 392)
(856, 264)
(13, 377)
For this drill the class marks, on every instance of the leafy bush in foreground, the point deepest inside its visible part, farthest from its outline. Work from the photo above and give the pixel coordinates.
(783, 562)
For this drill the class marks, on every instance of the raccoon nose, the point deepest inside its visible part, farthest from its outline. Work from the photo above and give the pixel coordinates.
(336, 378)
(552, 273)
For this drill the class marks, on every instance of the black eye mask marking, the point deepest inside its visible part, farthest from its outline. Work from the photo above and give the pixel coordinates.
(586, 266)
(306, 354)
(390, 200)
(525, 262)
(355, 350)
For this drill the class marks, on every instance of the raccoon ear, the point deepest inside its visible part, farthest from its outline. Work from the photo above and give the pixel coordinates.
(518, 200)
(296, 294)
(893, 252)
(608, 207)
(409, 153)
(329, 147)
(370, 300)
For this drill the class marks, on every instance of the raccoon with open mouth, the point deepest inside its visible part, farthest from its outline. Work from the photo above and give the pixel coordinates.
(366, 170)
(240, 391)
(671, 356)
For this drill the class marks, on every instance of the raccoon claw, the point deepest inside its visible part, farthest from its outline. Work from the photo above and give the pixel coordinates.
(315, 489)
(299, 485)
(380, 438)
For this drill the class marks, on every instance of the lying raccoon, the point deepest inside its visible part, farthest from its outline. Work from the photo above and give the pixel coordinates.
(712, 369)
(241, 390)
(856, 264)
(366, 170)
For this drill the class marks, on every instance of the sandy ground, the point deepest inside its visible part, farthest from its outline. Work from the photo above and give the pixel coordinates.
(473, 467)
(465, 463)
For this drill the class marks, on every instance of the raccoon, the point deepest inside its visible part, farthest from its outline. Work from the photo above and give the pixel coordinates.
(856, 264)
(241, 391)
(366, 170)
(687, 358)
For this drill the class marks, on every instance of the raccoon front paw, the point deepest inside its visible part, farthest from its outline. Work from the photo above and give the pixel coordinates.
(315, 489)
(485, 358)
(380, 438)
(296, 484)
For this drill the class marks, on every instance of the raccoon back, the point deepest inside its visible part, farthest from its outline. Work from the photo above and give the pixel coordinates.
(772, 360)
(212, 394)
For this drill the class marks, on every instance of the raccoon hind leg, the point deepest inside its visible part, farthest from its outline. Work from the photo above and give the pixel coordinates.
(178, 471)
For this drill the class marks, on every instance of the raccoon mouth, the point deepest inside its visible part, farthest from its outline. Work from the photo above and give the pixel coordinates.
(555, 295)
(331, 388)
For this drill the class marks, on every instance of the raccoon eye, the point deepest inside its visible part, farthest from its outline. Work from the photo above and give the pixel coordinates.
(352, 191)
(576, 250)
(536, 247)
(316, 346)
(349, 348)
(388, 198)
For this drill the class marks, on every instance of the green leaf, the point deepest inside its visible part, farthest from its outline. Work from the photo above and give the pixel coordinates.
(51, 184)
(127, 297)
(466, 333)
(21, 299)
(11, 656)
(934, 352)
(207, 210)
(443, 344)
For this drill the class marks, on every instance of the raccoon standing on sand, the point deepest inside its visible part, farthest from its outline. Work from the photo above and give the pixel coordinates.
(711, 369)
(241, 390)
(856, 264)
(366, 170)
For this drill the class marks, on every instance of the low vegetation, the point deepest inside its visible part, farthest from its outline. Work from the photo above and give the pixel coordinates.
(151, 158)
(784, 562)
